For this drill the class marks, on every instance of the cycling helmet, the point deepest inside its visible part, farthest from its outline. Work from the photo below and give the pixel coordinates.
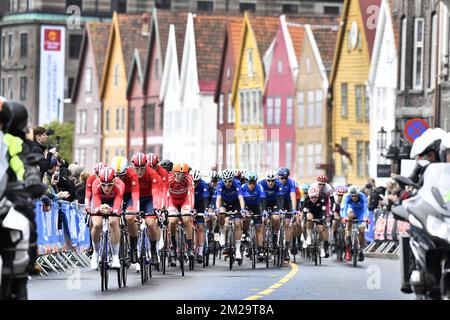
(313, 191)
(139, 159)
(251, 176)
(214, 175)
(243, 173)
(271, 175)
(99, 166)
(196, 174)
(119, 164)
(19, 122)
(166, 164)
(283, 173)
(106, 175)
(305, 186)
(322, 179)
(340, 191)
(181, 167)
(237, 173)
(353, 190)
(227, 174)
(5, 114)
(153, 159)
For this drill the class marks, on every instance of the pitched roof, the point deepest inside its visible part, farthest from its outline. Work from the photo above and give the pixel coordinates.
(297, 34)
(367, 12)
(394, 18)
(326, 42)
(234, 34)
(96, 34)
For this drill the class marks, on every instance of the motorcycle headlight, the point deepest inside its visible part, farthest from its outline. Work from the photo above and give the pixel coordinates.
(437, 227)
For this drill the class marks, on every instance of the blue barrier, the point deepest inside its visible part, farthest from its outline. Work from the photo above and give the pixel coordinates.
(369, 233)
(63, 221)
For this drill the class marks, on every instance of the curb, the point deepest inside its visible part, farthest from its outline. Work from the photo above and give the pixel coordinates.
(391, 256)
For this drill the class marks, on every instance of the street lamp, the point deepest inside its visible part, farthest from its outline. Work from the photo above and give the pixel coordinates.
(381, 141)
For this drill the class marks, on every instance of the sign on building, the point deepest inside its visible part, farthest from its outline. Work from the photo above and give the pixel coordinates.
(51, 82)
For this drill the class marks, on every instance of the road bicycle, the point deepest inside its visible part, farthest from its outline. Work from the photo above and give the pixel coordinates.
(281, 243)
(315, 242)
(355, 241)
(230, 240)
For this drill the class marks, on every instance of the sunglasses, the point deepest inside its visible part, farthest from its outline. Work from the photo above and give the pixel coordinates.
(315, 197)
(283, 178)
(271, 181)
(107, 184)
(228, 181)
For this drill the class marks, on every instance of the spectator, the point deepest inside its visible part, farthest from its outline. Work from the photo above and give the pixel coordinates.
(74, 173)
(38, 146)
(81, 188)
(368, 189)
(58, 186)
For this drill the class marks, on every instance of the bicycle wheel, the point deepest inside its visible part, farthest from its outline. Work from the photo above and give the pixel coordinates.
(355, 251)
(163, 252)
(280, 254)
(230, 246)
(181, 248)
(104, 263)
(340, 246)
(316, 247)
(268, 237)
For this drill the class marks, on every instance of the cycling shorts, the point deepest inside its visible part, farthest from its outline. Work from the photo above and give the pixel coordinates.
(256, 211)
(146, 205)
(176, 207)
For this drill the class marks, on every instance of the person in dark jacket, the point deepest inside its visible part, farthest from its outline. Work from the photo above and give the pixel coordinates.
(38, 146)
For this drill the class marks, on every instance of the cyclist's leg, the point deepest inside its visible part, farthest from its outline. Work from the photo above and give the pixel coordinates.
(154, 231)
(132, 227)
(275, 217)
(348, 230)
(188, 224)
(172, 208)
(258, 227)
(115, 240)
(309, 226)
(336, 220)
(200, 230)
(223, 221)
(237, 229)
(95, 236)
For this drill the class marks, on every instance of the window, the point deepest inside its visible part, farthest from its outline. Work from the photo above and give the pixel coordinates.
(10, 88)
(418, 53)
(117, 119)
(277, 110)
(280, 66)
(318, 152)
(107, 156)
(78, 123)
(344, 145)
(311, 108)
(289, 8)
(403, 54)
(288, 154)
(142, 119)
(260, 107)
(23, 45)
(289, 110)
(23, 88)
(205, 6)
(300, 159)
(331, 10)
(367, 160)
(301, 110)
(94, 155)
(221, 109)
(358, 102)
(116, 75)
(74, 45)
(319, 96)
(78, 3)
(132, 119)
(255, 107)
(107, 120)
(88, 80)
(247, 7)
(269, 153)
(95, 120)
(161, 119)
(269, 110)
(250, 62)
(242, 106)
(3, 46)
(123, 119)
(344, 110)
(366, 103)
(162, 4)
(119, 5)
(151, 116)
(230, 110)
(70, 86)
(83, 122)
(432, 80)
(310, 159)
(10, 45)
(359, 158)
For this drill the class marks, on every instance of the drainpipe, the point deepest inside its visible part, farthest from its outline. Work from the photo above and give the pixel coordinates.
(437, 96)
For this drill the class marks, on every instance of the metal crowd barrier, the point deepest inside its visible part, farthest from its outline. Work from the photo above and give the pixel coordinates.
(386, 235)
(63, 236)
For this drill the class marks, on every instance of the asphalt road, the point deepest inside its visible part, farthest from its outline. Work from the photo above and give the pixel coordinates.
(372, 279)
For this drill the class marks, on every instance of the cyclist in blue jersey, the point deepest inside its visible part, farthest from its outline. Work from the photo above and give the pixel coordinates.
(287, 202)
(215, 178)
(229, 199)
(355, 206)
(255, 200)
(272, 187)
(201, 197)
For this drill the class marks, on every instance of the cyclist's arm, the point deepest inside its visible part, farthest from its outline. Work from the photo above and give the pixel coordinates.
(344, 206)
(219, 201)
(135, 193)
(241, 201)
(366, 208)
(156, 188)
(293, 200)
(118, 199)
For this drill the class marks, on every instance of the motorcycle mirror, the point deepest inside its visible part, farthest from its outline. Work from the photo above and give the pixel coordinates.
(437, 195)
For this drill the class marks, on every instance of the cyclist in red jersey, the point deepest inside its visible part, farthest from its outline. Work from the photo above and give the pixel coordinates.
(153, 161)
(89, 182)
(130, 199)
(107, 197)
(150, 186)
(180, 200)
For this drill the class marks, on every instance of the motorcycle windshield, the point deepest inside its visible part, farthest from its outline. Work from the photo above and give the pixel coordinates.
(437, 175)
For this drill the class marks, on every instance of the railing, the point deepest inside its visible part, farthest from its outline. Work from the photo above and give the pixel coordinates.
(63, 236)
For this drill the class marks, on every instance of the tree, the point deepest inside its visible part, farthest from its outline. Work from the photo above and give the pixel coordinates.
(65, 131)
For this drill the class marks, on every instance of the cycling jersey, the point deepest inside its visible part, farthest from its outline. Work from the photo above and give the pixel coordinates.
(212, 196)
(317, 209)
(114, 199)
(271, 193)
(326, 193)
(253, 197)
(150, 185)
(285, 190)
(181, 192)
(360, 207)
(201, 196)
(88, 192)
(231, 194)
(165, 183)
(132, 190)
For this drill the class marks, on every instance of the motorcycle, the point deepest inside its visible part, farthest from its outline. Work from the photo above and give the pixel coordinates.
(425, 253)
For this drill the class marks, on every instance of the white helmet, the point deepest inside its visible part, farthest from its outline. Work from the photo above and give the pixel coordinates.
(271, 175)
(227, 174)
(426, 140)
(196, 174)
(119, 164)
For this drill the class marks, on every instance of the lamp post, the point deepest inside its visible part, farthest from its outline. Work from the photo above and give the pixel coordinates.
(381, 140)
(398, 150)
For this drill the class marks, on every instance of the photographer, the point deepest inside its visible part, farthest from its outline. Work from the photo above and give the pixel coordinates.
(39, 147)
(58, 187)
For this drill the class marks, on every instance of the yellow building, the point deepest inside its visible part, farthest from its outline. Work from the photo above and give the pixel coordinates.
(247, 92)
(126, 35)
(348, 81)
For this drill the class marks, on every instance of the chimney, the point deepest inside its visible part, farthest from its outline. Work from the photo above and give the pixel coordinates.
(145, 24)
